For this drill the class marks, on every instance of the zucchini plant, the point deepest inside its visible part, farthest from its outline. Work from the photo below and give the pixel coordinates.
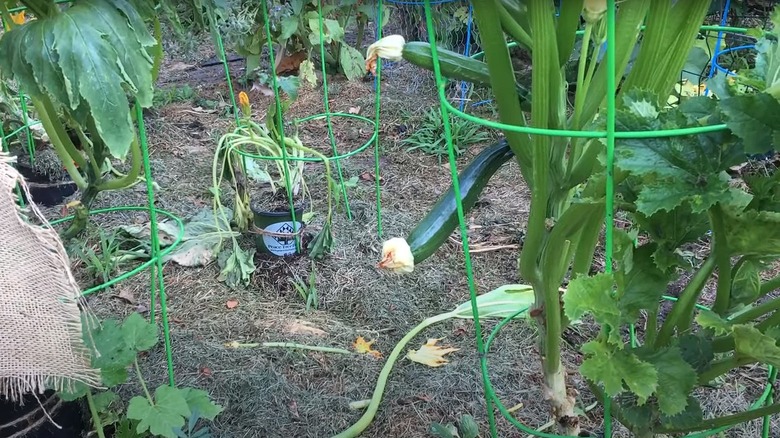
(675, 189)
(85, 65)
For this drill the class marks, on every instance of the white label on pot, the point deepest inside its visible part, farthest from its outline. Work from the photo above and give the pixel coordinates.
(281, 245)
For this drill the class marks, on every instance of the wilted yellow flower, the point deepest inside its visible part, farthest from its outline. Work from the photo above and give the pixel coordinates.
(397, 256)
(18, 18)
(594, 10)
(390, 47)
(243, 102)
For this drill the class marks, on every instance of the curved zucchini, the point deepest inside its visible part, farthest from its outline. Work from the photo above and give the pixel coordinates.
(434, 229)
(456, 66)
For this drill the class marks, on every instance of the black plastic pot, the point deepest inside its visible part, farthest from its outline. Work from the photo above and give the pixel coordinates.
(29, 420)
(44, 191)
(274, 232)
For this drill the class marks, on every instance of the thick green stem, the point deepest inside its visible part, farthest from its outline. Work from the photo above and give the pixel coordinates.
(546, 113)
(728, 420)
(721, 252)
(157, 50)
(627, 27)
(721, 367)
(772, 321)
(502, 81)
(651, 326)
(582, 86)
(93, 161)
(368, 416)
(725, 343)
(93, 412)
(682, 310)
(513, 28)
(47, 120)
(136, 159)
(757, 312)
(81, 214)
(142, 382)
(770, 285)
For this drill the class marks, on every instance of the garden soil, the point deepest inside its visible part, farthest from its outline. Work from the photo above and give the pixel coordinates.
(278, 392)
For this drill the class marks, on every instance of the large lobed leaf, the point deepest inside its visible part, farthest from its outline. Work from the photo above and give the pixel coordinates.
(90, 58)
(675, 171)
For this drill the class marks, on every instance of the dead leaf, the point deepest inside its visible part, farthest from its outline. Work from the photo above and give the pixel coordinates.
(293, 406)
(127, 295)
(515, 407)
(364, 347)
(430, 354)
(231, 304)
(359, 404)
(200, 110)
(301, 327)
(354, 110)
(264, 90)
(369, 176)
(179, 66)
(290, 63)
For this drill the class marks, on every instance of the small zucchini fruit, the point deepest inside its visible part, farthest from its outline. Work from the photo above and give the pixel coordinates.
(434, 229)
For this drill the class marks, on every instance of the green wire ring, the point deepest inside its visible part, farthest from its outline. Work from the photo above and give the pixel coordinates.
(146, 264)
(365, 146)
(19, 130)
(771, 371)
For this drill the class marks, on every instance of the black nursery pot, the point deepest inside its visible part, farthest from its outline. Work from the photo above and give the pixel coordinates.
(29, 420)
(274, 231)
(45, 192)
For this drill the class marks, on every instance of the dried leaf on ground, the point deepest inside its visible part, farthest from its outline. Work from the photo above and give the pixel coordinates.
(430, 354)
(290, 63)
(202, 235)
(301, 327)
(365, 347)
(179, 66)
(369, 176)
(263, 89)
(126, 294)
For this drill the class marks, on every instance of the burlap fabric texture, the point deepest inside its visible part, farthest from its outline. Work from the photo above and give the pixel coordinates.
(41, 344)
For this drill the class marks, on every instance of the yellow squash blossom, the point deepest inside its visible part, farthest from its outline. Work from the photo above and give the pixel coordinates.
(594, 10)
(243, 102)
(18, 18)
(390, 47)
(397, 256)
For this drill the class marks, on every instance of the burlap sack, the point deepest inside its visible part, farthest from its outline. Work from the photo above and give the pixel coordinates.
(41, 345)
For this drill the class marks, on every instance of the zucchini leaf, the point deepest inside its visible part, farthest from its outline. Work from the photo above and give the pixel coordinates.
(674, 170)
(87, 59)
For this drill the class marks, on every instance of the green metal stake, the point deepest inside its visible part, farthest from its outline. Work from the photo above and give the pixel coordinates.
(326, 101)
(156, 271)
(377, 110)
(464, 234)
